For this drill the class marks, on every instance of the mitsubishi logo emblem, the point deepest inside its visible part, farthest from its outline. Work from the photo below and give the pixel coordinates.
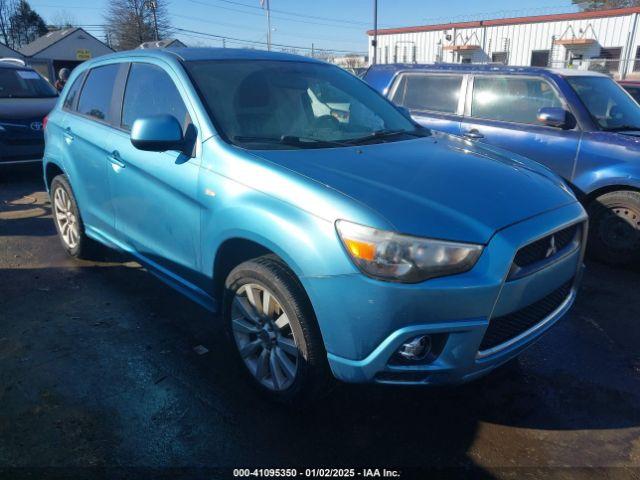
(552, 250)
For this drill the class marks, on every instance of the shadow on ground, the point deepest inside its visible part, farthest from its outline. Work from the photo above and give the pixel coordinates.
(97, 367)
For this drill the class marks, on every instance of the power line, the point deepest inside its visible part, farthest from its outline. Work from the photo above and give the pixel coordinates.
(297, 47)
(315, 17)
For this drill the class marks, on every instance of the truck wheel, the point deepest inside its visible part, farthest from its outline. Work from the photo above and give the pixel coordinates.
(614, 231)
(277, 339)
(66, 217)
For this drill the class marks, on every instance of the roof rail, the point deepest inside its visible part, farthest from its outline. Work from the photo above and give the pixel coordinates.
(17, 61)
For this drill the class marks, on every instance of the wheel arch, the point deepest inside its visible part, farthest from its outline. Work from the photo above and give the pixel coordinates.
(591, 196)
(51, 170)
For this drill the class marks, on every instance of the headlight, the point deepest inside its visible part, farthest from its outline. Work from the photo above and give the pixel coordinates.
(403, 258)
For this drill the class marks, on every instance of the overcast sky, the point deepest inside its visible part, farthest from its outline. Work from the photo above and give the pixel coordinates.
(328, 24)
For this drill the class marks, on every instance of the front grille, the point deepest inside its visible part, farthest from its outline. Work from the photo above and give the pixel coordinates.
(540, 249)
(502, 329)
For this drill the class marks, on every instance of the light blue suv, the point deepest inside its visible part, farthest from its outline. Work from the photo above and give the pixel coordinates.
(335, 236)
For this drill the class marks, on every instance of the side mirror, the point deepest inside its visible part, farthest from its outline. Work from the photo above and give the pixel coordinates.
(157, 133)
(553, 117)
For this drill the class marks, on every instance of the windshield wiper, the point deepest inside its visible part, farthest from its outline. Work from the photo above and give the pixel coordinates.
(294, 141)
(385, 133)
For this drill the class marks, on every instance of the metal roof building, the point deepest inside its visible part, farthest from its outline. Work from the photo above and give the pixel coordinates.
(605, 40)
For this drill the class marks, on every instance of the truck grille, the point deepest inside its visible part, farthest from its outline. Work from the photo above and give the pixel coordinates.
(540, 249)
(502, 329)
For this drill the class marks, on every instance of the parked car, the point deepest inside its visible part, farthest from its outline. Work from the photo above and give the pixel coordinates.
(580, 124)
(632, 87)
(25, 99)
(368, 249)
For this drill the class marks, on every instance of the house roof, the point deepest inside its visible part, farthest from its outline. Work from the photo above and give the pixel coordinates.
(616, 12)
(3, 46)
(45, 41)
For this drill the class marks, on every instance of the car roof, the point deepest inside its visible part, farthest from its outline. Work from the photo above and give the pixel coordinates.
(195, 54)
(489, 67)
(13, 66)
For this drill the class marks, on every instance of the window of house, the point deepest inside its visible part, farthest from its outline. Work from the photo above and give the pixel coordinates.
(612, 58)
(540, 58)
(499, 57)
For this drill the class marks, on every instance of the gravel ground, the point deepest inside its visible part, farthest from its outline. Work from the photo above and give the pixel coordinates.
(98, 369)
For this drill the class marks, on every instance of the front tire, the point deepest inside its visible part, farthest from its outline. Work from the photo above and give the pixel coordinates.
(68, 222)
(614, 233)
(277, 339)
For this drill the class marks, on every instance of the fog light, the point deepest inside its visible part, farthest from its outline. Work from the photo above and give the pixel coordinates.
(416, 349)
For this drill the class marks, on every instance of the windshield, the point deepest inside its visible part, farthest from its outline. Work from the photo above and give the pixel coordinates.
(609, 105)
(15, 83)
(282, 104)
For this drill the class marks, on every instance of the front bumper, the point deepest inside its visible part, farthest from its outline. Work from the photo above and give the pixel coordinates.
(364, 321)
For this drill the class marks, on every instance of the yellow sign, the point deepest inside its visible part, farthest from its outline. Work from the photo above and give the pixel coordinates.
(83, 54)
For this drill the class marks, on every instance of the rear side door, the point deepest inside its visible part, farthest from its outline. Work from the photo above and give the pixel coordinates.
(503, 111)
(155, 193)
(87, 128)
(435, 100)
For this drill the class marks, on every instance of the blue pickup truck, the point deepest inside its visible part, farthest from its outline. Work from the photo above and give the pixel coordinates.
(580, 124)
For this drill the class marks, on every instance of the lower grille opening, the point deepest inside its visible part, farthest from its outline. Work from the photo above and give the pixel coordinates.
(502, 329)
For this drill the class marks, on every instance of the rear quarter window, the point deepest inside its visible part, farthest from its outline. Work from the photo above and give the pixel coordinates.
(430, 92)
(72, 95)
(95, 99)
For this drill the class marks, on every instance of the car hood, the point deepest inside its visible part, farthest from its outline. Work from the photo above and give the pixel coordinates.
(26, 108)
(440, 186)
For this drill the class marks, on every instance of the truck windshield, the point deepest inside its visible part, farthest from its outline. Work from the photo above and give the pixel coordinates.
(17, 83)
(609, 105)
(283, 104)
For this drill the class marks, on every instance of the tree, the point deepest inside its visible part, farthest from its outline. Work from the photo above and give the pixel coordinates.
(25, 25)
(131, 22)
(7, 7)
(62, 19)
(605, 4)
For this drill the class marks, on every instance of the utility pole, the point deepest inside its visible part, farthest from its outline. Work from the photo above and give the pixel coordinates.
(153, 6)
(313, 51)
(265, 5)
(375, 32)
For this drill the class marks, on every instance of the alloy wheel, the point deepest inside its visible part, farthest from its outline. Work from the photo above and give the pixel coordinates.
(65, 218)
(263, 334)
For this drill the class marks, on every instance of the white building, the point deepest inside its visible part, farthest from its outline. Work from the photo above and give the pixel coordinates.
(64, 48)
(607, 40)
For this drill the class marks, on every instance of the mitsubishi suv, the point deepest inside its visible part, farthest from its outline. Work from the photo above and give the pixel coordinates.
(335, 237)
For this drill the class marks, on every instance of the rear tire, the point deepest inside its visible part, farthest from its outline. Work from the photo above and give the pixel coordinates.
(68, 221)
(614, 232)
(278, 342)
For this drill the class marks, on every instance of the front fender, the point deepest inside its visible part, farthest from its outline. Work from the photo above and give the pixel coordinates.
(593, 181)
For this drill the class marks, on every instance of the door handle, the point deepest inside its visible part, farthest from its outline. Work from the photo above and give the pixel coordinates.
(68, 135)
(115, 159)
(473, 134)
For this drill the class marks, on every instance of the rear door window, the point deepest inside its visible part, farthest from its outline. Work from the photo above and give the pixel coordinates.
(165, 100)
(95, 99)
(429, 92)
(511, 99)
